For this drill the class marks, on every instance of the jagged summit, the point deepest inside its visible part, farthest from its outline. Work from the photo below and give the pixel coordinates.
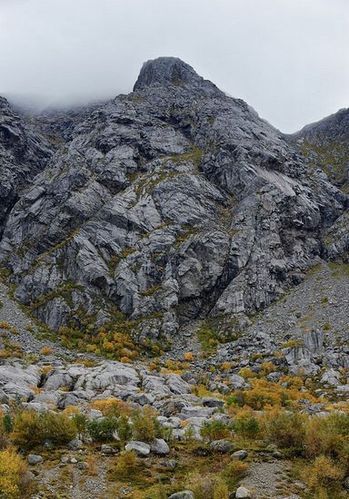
(3, 102)
(164, 71)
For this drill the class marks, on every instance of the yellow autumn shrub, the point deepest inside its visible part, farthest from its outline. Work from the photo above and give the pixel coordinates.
(112, 407)
(14, 479)
(322, 474)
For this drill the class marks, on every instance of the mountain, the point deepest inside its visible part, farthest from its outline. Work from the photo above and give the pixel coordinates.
(326, 144)
(191, 263)
(172, 204)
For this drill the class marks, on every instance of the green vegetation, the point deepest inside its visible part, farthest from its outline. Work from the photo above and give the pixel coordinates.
(63, 291)
(31, 429)
(332, 157)
(194, 156)
(339, 269)
(216, 330)
(215, 430)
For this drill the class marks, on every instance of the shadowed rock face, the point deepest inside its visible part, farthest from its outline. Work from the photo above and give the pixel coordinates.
(172, 203)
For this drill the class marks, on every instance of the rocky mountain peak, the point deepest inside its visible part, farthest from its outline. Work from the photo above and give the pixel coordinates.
(334, 127)
(3, 103)
(165, 71)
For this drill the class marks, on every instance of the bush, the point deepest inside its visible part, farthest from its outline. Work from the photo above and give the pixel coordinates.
(31, 429)
(81, 423)
(7, 423)
(234, 472)
(207, 487)
(215, 430)
(145, 426)
(3, 431)
(327, 435)
(112, 407)
(323, 474)
(286, 430)
(124, 429)
(14, 481)
(126, 464)
(264, 394)
(246, 424)
(101, 430)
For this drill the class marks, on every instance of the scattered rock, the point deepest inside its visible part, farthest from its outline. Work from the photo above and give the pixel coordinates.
(240, 455)
(108, 450)
(141, 448)
(184, 494)
(243, 493)
(75, 444)
(34, 459)
(222, 446)
(159, 447)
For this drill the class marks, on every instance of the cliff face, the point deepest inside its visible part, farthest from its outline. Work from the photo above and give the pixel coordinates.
(325, 144)
(172, 203)
(23, 154)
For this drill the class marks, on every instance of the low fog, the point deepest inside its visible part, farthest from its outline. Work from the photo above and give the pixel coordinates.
(286, 58)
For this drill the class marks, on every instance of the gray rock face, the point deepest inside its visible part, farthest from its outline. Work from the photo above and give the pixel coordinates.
(172, 203)
(141, 448)
(159, 447)
(326, 146)
(34, 459)
(243, 493)
(22, 155)
(221, 446)
(184, 494)
(240, 455)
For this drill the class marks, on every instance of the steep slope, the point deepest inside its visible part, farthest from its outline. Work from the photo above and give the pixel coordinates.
(325, 144)
(169, 204)
(22, 155)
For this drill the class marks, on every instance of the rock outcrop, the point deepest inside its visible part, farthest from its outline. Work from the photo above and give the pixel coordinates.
(23, 153)
(325, 144)
(169, 204)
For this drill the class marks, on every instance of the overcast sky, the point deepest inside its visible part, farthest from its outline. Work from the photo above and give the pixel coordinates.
(287, 58)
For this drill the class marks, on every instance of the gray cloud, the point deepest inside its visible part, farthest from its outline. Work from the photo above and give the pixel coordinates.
(287, 58)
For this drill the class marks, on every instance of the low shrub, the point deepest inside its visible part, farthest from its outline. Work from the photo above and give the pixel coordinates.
(215, 430)
(246, 424)
(207, 487)
(234, 472)
(3, 431)
(81, 422)
(145, 426)
(112, 407)
(14, 478)
(323, 475)
(31, 429)
(126, 464)
(101, 430)
(264, 394)
(124, 429)
(286, 430)
(327, 435)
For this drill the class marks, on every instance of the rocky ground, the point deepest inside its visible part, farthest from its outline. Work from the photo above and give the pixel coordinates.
(47, 377)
